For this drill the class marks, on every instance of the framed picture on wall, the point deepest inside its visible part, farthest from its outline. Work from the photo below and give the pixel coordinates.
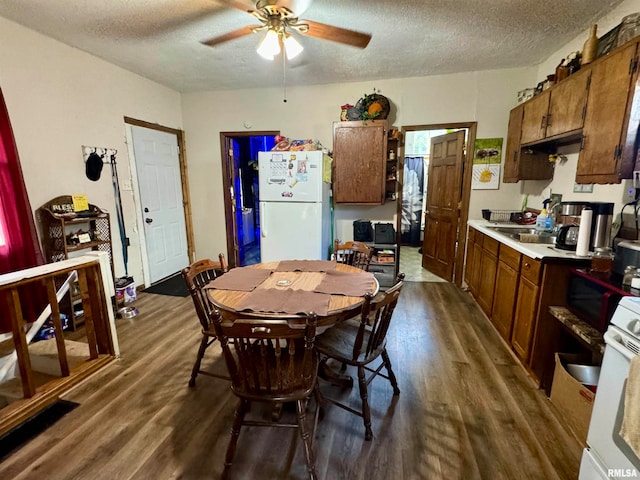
(608, 41)
(487, 157)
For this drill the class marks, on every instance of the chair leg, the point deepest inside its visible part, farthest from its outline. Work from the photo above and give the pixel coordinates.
(238, 417)
(196, 366)
(366, 412)
(390, 374)
(306, 439)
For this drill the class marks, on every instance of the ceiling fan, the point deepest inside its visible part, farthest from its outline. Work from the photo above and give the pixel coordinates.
(279, 18)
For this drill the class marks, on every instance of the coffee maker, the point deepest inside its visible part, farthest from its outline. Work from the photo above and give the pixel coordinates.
(568, 221)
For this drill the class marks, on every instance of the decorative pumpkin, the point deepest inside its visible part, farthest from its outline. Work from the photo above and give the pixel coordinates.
(374, 109)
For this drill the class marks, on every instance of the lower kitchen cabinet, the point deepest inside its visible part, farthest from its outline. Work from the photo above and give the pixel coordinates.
(515, 291)
(505, 295)
(526, 308)
(487, 273)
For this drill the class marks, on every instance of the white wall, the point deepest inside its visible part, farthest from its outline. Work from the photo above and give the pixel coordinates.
(60, 98)
(485, 97)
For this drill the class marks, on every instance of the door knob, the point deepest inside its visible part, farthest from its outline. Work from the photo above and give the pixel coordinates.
(148, 220)
(146, 210)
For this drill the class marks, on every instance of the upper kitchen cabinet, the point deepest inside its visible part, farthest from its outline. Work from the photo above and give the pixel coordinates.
(523, 164)
(603, 158)
(360, 162)
(598, 107)
(556, 112)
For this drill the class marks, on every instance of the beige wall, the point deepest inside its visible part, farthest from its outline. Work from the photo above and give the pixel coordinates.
(60, 98)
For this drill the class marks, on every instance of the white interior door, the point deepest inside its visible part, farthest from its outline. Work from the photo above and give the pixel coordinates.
(158, 172)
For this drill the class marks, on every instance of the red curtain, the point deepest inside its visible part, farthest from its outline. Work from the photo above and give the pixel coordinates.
(19, 247)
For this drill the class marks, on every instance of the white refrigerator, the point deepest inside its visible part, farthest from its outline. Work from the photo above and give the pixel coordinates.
(295, 206)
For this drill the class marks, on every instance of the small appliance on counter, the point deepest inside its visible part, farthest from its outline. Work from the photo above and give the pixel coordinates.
(568, 221)
(627, 254)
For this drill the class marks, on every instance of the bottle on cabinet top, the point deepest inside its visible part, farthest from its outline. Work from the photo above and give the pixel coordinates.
(590, 48)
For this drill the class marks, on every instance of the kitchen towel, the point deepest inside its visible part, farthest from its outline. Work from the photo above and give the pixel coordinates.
(286, 301)
(584, 232)
(243, 279)
(305, 266)
(351, 284)
(630, 430)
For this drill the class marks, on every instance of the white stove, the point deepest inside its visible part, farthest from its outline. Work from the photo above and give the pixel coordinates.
(607, 455)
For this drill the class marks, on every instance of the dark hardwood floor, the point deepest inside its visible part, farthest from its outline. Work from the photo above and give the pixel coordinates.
(466, 410)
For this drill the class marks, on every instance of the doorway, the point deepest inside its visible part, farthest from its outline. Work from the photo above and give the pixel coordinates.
(411, 210)
(166, 241)
(242, 196)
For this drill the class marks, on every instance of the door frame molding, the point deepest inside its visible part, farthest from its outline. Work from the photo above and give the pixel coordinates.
(227, 175)
(466, 186)
(184, 180)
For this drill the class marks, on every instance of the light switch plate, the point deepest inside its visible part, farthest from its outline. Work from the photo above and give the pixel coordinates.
(583, 188)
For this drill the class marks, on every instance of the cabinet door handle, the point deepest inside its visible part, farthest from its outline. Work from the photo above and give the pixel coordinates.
(542, 122)
(583, 141)
(547, 120)
(526, 265)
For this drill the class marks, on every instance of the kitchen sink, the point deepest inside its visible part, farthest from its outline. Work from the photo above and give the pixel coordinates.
(526, 235)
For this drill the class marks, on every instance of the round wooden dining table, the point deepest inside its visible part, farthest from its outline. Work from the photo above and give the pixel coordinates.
(341, 307)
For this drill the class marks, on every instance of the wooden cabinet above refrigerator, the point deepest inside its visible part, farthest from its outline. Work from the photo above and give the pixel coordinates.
(360, 162)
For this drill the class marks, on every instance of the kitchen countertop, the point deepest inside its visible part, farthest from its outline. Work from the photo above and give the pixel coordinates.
(534, 250)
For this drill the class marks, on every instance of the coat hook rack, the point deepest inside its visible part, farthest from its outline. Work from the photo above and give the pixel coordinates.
(104, 152)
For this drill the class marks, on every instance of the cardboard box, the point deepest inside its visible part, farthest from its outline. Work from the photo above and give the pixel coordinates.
(572, 398)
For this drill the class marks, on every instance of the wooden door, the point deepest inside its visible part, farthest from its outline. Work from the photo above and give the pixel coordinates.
(359, 162)
(567, 104)
(600, 157)
(535, 118)
(444, 190)
(487, 274)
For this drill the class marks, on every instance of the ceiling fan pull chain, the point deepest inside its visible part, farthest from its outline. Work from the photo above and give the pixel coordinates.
(284, 76)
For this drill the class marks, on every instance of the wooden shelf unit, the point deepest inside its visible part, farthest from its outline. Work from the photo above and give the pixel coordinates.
(57, 224)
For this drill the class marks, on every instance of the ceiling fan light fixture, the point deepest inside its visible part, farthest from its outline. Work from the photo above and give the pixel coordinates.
(291, 46)
(270, 45)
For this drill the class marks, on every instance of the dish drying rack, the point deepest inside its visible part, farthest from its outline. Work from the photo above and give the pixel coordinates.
(509, 216)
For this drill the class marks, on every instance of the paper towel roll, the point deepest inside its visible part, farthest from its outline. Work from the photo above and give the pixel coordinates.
(584, 232)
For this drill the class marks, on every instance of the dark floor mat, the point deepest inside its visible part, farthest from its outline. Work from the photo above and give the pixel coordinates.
(18, 436)
(173, 286)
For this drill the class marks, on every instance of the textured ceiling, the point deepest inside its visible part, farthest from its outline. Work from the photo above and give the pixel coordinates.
(160, 39)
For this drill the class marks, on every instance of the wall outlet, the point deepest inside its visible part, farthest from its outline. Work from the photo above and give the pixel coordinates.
(629, 191)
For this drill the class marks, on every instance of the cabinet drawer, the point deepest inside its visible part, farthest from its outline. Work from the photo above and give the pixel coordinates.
(510, 256)
(531, 269)
(491, 245)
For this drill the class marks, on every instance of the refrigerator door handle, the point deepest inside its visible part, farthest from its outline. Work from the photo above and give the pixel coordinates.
(263, 223)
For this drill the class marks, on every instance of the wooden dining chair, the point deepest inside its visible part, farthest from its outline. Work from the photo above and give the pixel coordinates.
(271, 361)
(360, 343)
(197, 276)
(353, 253)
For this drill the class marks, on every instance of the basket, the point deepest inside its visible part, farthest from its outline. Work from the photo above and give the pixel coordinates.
(502, 216)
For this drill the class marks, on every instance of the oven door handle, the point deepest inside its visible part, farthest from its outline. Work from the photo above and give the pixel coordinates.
(614, 340)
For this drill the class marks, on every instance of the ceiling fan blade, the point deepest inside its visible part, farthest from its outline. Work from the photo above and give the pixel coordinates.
(244, 6)
(241, 32)
(336, 34)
